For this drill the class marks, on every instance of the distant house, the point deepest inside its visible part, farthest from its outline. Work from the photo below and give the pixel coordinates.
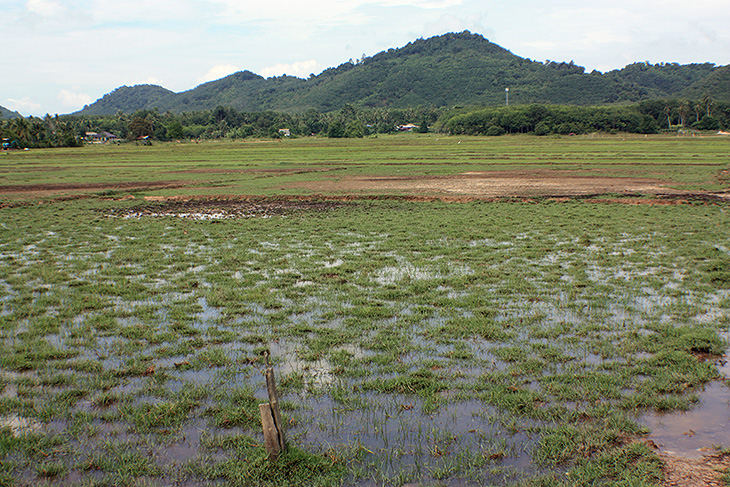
(285, 132)
(99, 138)
(406, 128)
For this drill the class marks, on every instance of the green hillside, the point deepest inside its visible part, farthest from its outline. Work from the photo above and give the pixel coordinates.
(7, 114)
(443, 71)
(716, 84)
(129, 98)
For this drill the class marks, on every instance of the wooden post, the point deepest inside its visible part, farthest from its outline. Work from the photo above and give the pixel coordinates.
(271, 416)
(271, 436)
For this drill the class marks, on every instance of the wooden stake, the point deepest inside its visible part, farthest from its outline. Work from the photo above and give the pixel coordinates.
(271, 436)
(271, 416)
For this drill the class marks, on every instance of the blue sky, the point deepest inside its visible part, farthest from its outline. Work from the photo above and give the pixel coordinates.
(62, 54)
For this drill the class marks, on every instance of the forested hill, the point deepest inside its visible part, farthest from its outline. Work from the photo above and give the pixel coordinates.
(129, 99)
(7, 114)
(443, 71)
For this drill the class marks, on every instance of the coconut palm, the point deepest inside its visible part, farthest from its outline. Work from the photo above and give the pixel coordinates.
(683, 111)
(707, 102)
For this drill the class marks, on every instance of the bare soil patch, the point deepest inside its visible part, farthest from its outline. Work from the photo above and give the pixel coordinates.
(254, 170)
(495, 184)
(704, 472)
(469, 186)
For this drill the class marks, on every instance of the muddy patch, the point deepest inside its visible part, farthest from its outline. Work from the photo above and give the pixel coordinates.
(217, 209)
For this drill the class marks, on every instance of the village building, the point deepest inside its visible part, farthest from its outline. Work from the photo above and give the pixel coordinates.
(99, 138)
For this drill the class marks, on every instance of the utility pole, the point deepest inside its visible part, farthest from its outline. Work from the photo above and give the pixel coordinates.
(506, 95)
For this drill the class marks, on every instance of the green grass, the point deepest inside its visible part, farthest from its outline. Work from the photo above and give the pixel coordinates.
(423, 342)
(269, 167)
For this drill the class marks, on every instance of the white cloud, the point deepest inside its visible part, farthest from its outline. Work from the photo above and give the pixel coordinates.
(153, 81)
(218, 72)
(73, 100)
(25, 104)
(301, 69)
(473, 22)
(143, 10)
(541, 44)
(421, 3)
(292, 18)
(45, 8)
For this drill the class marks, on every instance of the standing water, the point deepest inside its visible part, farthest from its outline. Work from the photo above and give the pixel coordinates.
(696, 432)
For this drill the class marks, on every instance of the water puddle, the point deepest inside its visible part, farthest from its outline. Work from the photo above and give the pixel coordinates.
(19, 425)
(188, 447)
(316, 374)
(397, 435)
(393, 275)
(697, 432)
(694, 433)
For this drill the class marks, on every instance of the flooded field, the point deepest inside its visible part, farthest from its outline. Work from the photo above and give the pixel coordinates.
(414, 343)
(524, 342)
(701, 430)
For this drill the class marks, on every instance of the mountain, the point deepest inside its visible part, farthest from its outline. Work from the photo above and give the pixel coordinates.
(442, 71)
(7, 114)
(128, 98)
(716, 84)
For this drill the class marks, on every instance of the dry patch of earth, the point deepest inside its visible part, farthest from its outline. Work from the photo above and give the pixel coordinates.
(468, 186)
(494, 184)
(704, 472)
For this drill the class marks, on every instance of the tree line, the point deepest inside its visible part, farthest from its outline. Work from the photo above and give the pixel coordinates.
(39, 132)
(648, 117)
(220, 123)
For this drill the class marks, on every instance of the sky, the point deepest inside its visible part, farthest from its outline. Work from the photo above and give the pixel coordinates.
(59, 55)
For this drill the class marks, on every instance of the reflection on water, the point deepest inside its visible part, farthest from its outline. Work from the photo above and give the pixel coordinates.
(397, 436)
(693, 433)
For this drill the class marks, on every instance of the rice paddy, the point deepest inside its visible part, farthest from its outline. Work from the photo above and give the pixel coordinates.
(518, 341)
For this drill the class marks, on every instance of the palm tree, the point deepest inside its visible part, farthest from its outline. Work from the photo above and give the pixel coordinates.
(21, 127)
(707, 102)
(698, 109)
(668, 113)
(683, 112)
